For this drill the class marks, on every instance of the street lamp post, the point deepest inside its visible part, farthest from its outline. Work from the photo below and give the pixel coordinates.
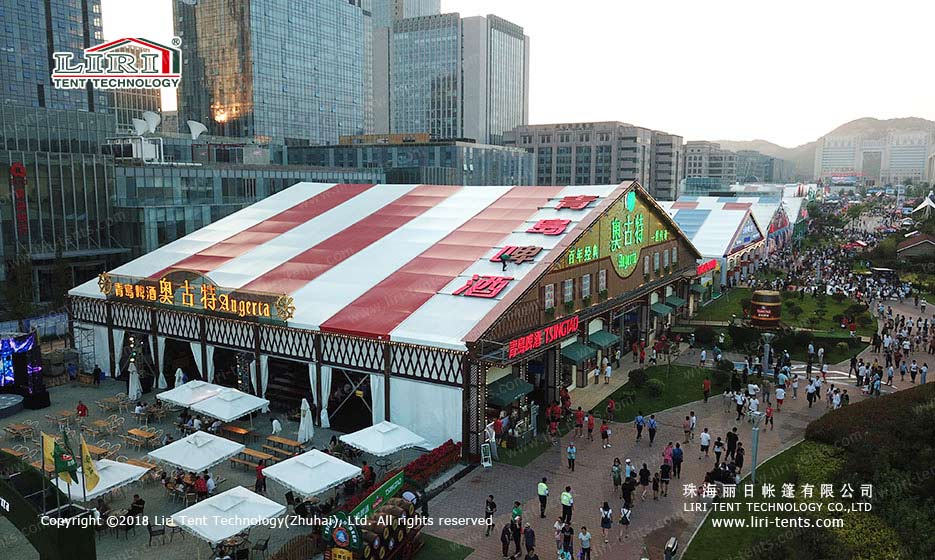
(756, 417)
(767, 339)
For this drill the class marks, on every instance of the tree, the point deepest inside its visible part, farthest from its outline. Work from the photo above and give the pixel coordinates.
(18, 288)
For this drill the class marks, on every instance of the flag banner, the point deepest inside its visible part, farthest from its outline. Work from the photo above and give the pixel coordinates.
(89, 471)
(65, 463)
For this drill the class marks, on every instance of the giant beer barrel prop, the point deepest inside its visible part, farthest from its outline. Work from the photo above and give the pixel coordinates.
(403, 504)
(766, 309)
(373, 545)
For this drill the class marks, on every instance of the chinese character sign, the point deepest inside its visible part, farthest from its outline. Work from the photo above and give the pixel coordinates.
(579, 202)
(483, 286)
(549, 227)
(517, 255)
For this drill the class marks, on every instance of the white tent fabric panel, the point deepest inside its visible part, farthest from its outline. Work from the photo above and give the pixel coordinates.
(264, 378)
(118, 350)
(339, 286)
(198, 452)
(383, 438)
(311, 473)
(378, 398)
(112, 475)
(457, 314)
(262, 259)
(207, 236)
(190, 393)
(229, 405)
(209, 350)
(325, 395)
(196, 353)
(226, 514)
(436, 423)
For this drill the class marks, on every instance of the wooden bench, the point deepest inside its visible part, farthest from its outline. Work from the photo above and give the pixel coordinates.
(278, 452)
(235, 461)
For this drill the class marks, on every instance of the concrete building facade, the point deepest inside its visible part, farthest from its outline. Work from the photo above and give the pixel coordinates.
(870, 160)
(705, 159)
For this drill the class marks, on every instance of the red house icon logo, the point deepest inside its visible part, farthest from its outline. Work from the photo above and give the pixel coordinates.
(127, 63)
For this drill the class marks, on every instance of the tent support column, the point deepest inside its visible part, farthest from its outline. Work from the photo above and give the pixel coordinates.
(316, 345)
(154, 347)
(258, 380)
(387, 366)
(110, 338)
(203, 338)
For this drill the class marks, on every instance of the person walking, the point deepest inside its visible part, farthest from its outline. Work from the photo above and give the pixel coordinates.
(542, 490)
(572, 452)
(694, 424)
(644, 481)
(260, 484)
(738, 457)
(568, 504)
(780, 396)
(584, 540)
(557, 529)
(795, 386)
(616, 475)
(589, 421)
(567, 534)
(718, 449)
(665, 475)
(624, 524)
(769, 416)
(607, 521)
(579, 422)
(490, 508)
(706, 388)
(605, 434)
(639, 422)
(732, 439)
(516, 530)
(607, 373)
(506, 537)
(651, 425)
(655, 485)
(705, 439)
(687, 428)
(677, 458)
(529, 539)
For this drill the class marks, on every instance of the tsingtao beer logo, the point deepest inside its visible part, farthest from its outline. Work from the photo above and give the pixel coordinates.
(128, 63)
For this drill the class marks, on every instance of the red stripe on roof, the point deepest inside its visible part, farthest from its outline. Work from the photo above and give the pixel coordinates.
(737, 205)
(382, 308)
(212, 257)
(684, 205)
(312, 263)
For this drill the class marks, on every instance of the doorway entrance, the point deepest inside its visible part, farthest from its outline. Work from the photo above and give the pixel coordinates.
(288, 384)
(350, 405)
(178, 355)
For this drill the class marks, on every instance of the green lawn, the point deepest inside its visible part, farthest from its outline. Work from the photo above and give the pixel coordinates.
(711, 543)
(524, 456)
(435, 548)
(682, 386)
(724, 307)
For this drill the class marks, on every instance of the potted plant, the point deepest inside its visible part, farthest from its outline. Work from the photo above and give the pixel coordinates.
(586, 300)
(569, 306)
(602, 295)
(549, 313)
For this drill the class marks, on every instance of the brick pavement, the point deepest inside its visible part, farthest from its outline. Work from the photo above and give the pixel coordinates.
(652, 522)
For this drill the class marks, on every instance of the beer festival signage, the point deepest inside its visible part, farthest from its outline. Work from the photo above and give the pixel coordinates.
(543, 336)
(192, 291)
(18, 187)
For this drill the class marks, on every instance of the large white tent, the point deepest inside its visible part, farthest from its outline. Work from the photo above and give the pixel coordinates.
(190, 393)
(383, 439)
(311, 473)
(223, 516)
(112, 475)
(229, 405)
(198, 452)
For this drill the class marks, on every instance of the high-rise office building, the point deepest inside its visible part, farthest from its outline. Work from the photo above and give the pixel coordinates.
(707, 160)
(298, 72)
(873, 158)
(41, 29)
(129, 104)
(458, 78)
(597, 153)
(754, 167)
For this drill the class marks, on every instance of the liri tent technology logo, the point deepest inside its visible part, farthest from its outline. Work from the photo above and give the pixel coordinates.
(128, 63)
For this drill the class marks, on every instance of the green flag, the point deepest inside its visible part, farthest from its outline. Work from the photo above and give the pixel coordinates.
(64, 458)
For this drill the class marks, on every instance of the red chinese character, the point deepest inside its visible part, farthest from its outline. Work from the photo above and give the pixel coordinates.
(518, 255)
(549, 227)
(579, 202)
(514, 348)
(483, 286)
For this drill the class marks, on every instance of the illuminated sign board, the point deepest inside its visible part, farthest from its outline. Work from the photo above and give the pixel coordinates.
(628, 227)
(706, 267)
(18, 186)
(748, 235)
(192, 291)
(547, 335)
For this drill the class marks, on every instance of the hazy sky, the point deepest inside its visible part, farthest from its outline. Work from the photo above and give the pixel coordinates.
(785, 71)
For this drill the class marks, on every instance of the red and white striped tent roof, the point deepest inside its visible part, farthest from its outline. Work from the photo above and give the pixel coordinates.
(378, 261)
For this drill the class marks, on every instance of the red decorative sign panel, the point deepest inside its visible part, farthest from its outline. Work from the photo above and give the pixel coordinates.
(18, 185)
(547, 335)
(706, 267)
(483, 286)
(518, 255)
(549, 227)
(579, 202)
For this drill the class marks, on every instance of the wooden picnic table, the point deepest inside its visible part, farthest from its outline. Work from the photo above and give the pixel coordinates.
(20, 427)
(142, 434)
(237, 431)
(38, 466)
(139, 463)
(285, 442)
(102, 424)
(13, 452)
(253, 453)
(97, 452)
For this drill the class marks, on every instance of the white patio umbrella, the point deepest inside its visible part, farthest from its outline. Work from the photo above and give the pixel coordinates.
(135, 390)
(311, 473)
(223, 516)
(190, 393)
(112, 475)
(197, 452)
(306, 425)
(383, 439)
(229, 405)
(179, 377)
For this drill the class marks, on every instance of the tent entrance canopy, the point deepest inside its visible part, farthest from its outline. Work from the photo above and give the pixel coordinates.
(661, 309)
(578, 353)
(507, 389)
(675, 302)
(197, 452)
(311, 473)
(223, 516)
(698, 288)
(383, 439)
(603, 339)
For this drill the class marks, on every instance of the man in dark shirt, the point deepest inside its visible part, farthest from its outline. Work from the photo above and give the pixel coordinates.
(137, 505)
(97, 374)
(732, 438)
(490, 508)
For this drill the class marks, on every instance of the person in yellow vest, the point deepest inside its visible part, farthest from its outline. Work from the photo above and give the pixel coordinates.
(543, 492)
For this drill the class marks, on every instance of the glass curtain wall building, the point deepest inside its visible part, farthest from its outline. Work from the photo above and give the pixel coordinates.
(294, 72)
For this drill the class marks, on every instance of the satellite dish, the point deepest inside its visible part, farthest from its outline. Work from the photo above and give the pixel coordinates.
(197, 129)
(152, 120)
(140, 126)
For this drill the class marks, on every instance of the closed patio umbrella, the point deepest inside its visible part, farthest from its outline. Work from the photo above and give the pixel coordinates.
(306, 425)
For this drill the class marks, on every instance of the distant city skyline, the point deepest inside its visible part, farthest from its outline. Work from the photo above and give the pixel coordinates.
(783, 72)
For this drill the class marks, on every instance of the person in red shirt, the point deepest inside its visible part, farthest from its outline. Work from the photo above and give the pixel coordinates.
(579, 422)
(201, 487)
(611, 408)
(82, 410)
(642, 356)
(605, 434)
(260, 486)
(636, 351)
(706, 388)
(367, 474)
(591, 426)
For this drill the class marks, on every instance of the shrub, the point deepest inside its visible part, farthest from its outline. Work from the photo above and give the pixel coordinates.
(639, 377)
(838, 297)
(837, 319)
(843, 346)
(721, 375)
(742, 338)
(855, 309)
(705, 335)
(655, 387)
(813, 321)
(864, 320)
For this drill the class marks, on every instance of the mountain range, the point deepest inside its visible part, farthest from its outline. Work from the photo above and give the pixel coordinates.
(803, 157)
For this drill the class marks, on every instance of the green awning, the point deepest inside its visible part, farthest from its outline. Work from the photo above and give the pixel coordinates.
(698, 288)
(661, 309)
(506, 390)
(602, 339)
(675, 302)
(577, 352)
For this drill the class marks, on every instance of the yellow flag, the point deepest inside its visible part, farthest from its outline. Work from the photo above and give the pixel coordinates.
(51, 448)
(89, 471)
